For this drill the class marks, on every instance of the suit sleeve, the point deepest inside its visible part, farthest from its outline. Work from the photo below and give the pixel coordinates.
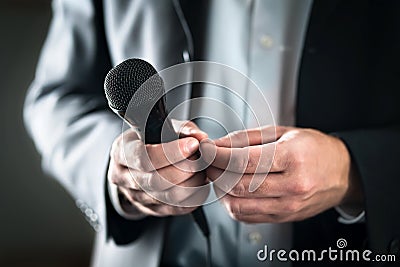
(375, 152)
(375, 149)
(67, 115)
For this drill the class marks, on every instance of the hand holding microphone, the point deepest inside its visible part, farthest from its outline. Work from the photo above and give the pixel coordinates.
(157, 158)
(131, 170)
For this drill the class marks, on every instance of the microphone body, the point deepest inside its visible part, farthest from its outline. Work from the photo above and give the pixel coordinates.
(156, 129)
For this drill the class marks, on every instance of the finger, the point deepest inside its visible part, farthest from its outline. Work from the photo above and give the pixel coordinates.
(243, 206)
(254, 159)
(119, 175)
(163, 178)
(130, 135)
(145, 198)
(158, 180)
(168, 210)
(281, 207)
(162, 210)
(268, 218)
(138, 196)
(251, 137)
(118, 145)
(189, 193)
(274, 218)
(189, 128)
(146, 158)
(137, 207)
(150, 206)
(273, 185)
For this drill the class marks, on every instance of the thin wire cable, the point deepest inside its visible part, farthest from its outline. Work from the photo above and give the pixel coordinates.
(209, 252)
(198, 214)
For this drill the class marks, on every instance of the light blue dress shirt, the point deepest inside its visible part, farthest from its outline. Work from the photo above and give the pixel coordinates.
(245, 35)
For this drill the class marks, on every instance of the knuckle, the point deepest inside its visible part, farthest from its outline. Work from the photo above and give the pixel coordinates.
(140, 159)
(147, 199)
(114, 148)
(233, 135)
(113, 175)
(297, 160)
(281, 161)
(293, 207)
(278, 151)
(141, 197)
(224, 187)
(112, 178)
(239, 190)
(177, 195)
(239, 162)
(168, 196)
(115, 152)
(143, 181)
(184, 167)
(300, 187)
(137, 196)
(238, 137)
(142, 163)
(253, 162)
(150, 181)
(234, 207)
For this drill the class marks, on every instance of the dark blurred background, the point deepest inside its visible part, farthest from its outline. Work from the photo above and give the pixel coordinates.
(39, 223)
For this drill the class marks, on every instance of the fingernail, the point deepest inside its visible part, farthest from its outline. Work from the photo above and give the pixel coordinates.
(195, 131)
(191, 146)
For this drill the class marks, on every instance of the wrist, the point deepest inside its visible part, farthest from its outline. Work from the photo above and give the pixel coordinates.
(122, 206)
(353, 199)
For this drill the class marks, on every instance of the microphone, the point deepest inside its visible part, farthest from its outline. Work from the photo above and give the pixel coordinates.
(140, 110)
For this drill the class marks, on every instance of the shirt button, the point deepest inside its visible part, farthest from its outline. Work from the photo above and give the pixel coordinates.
(255, 238)
(185, 56)
(266, 41)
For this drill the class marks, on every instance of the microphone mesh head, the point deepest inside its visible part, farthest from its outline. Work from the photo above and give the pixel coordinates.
(122, 85)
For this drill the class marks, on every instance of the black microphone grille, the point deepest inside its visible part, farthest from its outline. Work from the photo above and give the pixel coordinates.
(122, 84)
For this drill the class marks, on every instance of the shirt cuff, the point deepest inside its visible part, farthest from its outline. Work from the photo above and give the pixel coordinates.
(349, 218)
(128, 212)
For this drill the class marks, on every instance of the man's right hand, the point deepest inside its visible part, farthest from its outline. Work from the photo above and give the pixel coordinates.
(145, 173)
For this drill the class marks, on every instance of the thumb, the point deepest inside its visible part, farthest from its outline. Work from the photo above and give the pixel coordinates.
(189, 128)
(189, 144)
(161, 155)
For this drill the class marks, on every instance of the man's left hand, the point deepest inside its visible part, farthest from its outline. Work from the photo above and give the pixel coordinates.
(306, 172)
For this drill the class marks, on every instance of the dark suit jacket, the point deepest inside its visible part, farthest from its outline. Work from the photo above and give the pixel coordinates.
(347, 86)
